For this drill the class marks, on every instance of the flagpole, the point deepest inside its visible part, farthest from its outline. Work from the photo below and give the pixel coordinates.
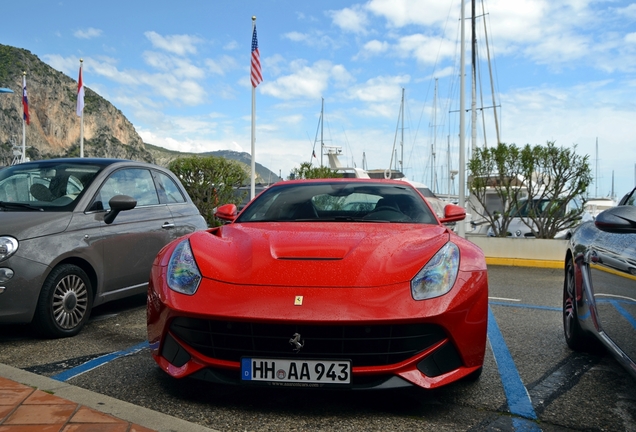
(253, 163)
(23, 120)
(81, 83)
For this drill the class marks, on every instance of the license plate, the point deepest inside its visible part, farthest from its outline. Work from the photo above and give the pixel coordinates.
(296, 372)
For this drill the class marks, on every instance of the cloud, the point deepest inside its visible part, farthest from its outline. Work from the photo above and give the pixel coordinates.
(314, 39)
(372, 48)
(222, 65)
(423, 48)
(188, 92)
(177, 66)
(88, 33)
(187, 145)
(307, 81)
(177, 44)
(176, 81)
(353, 20)
(400, 13)
(379, 89)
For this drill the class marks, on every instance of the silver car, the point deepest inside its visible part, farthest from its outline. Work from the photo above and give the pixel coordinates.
(76, 233)
(599, 289)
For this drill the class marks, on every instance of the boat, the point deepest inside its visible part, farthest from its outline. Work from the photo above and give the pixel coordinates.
(594, 206)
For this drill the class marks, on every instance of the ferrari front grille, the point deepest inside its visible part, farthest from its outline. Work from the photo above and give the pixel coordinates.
(364, 345)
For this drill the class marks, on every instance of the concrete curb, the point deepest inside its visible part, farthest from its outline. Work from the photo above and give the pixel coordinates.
(105, 404)
(522, 252)
(520, 262)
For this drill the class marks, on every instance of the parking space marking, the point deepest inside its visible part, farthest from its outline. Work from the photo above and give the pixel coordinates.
(99, 361)
(504, 299)
(519, 402)
(623, 312)
(527, 306)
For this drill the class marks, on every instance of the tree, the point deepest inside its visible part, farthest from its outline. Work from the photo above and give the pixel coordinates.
(549, 177)
(560, 176)
(210, 181)
(306, 171)
(495, 173)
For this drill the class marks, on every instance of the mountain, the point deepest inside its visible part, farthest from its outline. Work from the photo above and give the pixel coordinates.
(54, 129)
(162, 156)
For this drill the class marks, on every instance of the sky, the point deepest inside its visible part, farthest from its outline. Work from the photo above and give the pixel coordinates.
(562, 71)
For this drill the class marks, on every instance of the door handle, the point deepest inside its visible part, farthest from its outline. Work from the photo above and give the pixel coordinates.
(167, 225)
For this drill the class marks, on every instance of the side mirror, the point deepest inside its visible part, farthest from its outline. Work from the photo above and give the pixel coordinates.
(117, 204)
(453, 213)
(618, 220)
(226, 212)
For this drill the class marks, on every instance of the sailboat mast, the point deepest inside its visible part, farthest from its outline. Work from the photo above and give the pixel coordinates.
(433, 173)
(596, 172)
(322, 122)
(402, 139)
(473, 104)
(492, 83)
(461, 230)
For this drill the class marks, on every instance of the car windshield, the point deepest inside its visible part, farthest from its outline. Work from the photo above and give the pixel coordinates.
(44, 186)
(338, 201)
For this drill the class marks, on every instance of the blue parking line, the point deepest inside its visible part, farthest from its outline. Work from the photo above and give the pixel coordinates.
(623, 312)
(517, 395)
(92, 364)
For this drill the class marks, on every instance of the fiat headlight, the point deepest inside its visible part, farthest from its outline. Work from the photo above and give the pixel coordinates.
(183, 274)
(438, 276)
(8, 246)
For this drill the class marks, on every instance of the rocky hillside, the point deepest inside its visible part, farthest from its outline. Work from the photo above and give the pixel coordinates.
(54, 130)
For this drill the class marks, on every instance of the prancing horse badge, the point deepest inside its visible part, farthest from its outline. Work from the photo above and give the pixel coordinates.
(298, 301)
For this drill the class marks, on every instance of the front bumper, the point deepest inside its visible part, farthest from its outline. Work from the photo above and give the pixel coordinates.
(391, 339)
(19, 295)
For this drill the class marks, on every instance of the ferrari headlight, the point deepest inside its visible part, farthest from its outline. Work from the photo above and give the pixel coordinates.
(8, 246)
(183, 274)
(438, 276)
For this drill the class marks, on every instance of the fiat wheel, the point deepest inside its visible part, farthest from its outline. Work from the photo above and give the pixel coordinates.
(65, 302)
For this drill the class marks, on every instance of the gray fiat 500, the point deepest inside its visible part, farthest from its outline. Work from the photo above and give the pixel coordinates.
(76, 233)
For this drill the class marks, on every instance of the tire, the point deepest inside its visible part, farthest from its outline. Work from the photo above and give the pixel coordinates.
(575, 336)
(65, 302)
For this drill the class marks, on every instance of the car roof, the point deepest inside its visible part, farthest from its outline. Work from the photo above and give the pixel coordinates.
(82, 161)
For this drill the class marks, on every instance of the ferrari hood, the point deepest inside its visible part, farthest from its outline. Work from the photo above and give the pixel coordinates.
(27, 225)
(321, 255)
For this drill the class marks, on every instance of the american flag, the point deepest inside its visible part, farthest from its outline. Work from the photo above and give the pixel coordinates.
(25, 101)
(257, 77)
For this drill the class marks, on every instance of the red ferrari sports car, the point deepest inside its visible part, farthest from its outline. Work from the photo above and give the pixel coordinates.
(347, 283)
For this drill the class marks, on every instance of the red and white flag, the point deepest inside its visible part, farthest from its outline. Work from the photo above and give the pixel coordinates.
(80, 94)
(25, 102)
(257, 77)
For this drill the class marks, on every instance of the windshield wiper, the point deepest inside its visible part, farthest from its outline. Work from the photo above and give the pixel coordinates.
(18, 206)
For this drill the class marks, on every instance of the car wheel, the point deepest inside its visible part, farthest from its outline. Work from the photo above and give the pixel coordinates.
(65, 302)
(574, 334)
